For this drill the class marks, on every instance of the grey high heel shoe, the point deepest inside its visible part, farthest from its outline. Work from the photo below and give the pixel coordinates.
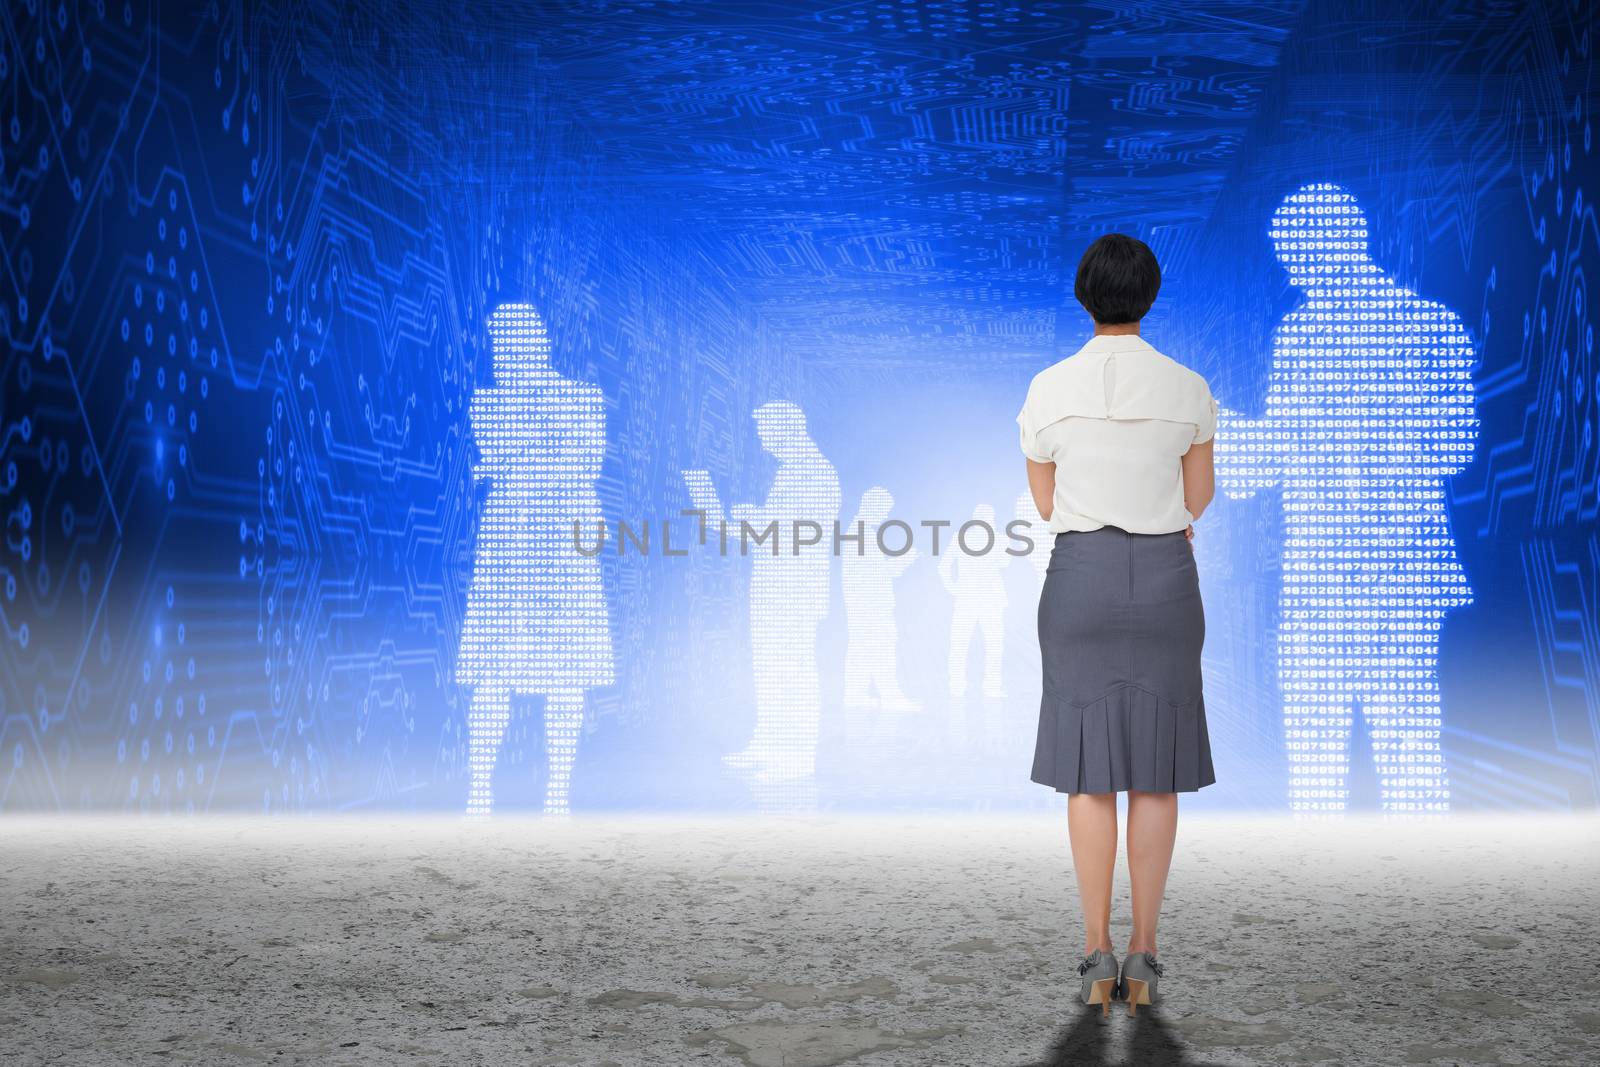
(1140, 973)
(1099, 973)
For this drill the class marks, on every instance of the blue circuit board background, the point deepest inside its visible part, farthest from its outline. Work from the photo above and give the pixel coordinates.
(250, 252)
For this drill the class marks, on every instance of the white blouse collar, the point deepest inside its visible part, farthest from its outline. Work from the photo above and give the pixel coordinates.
(1115, 342)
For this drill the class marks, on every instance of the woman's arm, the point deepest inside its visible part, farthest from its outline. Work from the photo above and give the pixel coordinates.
(1199, 477)
(1042, 484)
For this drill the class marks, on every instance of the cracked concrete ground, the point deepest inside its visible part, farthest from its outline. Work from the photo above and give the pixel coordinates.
(789, 942)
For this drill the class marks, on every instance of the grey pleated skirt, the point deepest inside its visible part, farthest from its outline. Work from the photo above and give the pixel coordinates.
(1121, 626)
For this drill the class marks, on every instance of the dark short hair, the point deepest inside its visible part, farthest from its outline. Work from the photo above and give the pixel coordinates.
(1118, 278)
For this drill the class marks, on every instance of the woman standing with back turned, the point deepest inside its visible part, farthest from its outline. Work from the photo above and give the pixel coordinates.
(1118, 438)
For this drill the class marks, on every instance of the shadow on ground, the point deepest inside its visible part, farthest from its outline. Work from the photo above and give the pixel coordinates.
(1093, 1040)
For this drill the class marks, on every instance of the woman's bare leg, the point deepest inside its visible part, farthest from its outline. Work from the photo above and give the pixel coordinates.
(1092, 826)
(1152, 829)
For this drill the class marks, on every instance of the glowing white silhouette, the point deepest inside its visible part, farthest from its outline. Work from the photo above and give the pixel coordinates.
(536, 619)
(789, 596)
(1369, 408)
(977, 582)
(871, 662)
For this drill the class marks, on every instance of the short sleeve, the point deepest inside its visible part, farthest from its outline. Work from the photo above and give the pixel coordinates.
(1030, 444)
(1205, 423)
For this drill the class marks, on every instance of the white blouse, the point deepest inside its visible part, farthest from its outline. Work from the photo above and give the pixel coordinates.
(1114, 417)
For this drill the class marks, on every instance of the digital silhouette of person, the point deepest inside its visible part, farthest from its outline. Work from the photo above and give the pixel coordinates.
(871, 662)
(1369, 409)
(790, 591)
(536, 620)
(977, 582)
